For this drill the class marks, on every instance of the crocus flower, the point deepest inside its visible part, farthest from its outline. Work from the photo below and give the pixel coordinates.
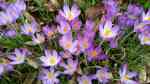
(38, 38)
(85, 80)
(67, 43)
(5, 66)
(125, 76)
(48, 31)
(111, 8)
(49, 76)
(10, 33)
(103, 75)
(146, 17)
(64, 27)
(108, 32)
(70, 14)
(95, 53)
(70, 66)
(19, 55)
(12, 12)
(51, 58)
(144, 39)
(76, 24)
(29, 29)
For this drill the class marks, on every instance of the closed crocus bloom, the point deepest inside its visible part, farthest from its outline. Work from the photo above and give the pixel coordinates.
(84, 80)
(64, 27)
(38, 38)
(126, 76)
(19, 56)
(76, 24)
(50, 59)
(70, 67)
(103, 75)
(108, 32)
(29, 29)
(49, 76)
(144, 39)
(67, 43)
(146, 17)
(70, 14)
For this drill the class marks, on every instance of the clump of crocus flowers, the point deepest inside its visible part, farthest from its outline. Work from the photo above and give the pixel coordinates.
(75, 39)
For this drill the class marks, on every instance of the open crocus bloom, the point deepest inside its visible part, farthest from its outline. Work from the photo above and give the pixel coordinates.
(70, 14)
(67, 43)
(49, 76)
(146, 17)
(107, 31)
(64, 27)
(126, 76)
(85, 80)
(51, 58)
(144, 39)
(38, 38)
(70, 67)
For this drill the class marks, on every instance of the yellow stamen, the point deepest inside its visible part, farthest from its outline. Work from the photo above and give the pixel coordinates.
(65, 29)
(85, 82)
(126, 77)
(147, 18)
(70, 16)
(69, 45)
(146, 39)
(94, 53)
(50, 34)
(52, 60)
(107, 32)
(30, 29)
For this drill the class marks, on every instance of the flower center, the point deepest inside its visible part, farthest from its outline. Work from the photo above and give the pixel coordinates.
(50, 33)
(147, 18)
(85, 81)
(65, 29)
(30, 29)
(94, 53)
(146, 39)
(107, 32)
(68, 45)
(53, 60)
(70, 16)
(126, 77)
(85, 45)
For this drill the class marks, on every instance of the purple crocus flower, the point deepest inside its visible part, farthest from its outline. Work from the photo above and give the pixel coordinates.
(108, 32)
(5, 66)
(84, 80)
(19, 56)
(67, 43)
(95, 53)
(64, 27)
(51, 58)
(144, 39)
(38, 38)
(146, 16)
(111, 8)
(49, 76)
(10, 33)
(29, 29)
(12, 12)
(70, 14)
(125, 76)
(103, 75)
(48, 31)
(76, 24)
(70, 67)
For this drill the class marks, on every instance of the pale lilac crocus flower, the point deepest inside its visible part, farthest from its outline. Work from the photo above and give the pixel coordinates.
(29, 29)
(70, 67)
(146, 17)
(19, 56)
(84, 80)
(76, 24)
(64, 27)
(107, 31)
(70, 14)
(10, 33)
(67, 43)
(103, 75)
(126, 76)
(144, 39)
(49, 76)
(51, 58)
